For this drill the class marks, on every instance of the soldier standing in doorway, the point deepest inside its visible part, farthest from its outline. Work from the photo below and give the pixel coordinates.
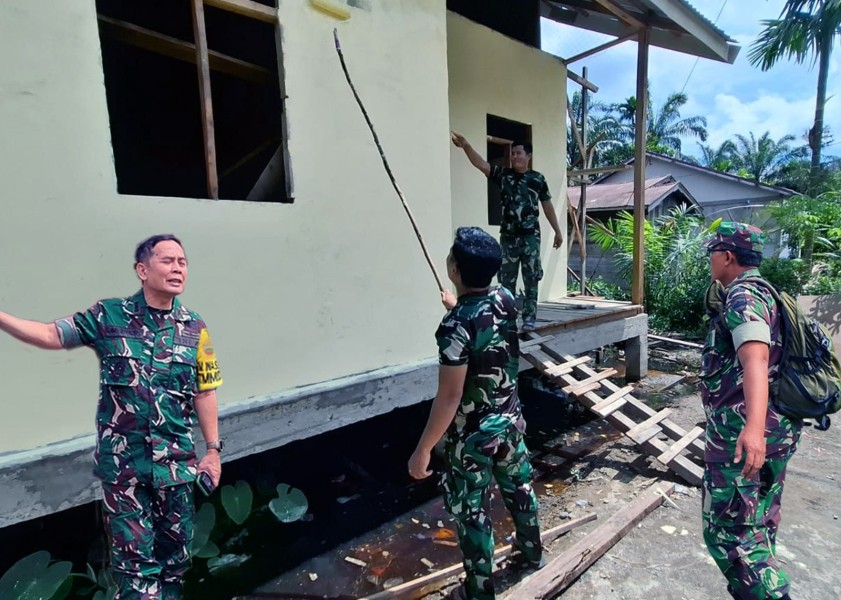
(522, 190)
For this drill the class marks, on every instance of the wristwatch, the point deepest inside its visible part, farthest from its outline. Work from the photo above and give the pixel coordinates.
(217, 445)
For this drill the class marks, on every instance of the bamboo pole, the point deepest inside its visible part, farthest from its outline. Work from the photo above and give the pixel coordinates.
(385, 163)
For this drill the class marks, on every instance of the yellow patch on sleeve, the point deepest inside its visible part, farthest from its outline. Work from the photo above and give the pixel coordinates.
(207, 367)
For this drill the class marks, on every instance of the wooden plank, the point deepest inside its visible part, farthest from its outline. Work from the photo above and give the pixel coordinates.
(612, 399)
(636, 433)
(607, 409)
(670, 428)
(452, 570)
(680, 445)
(592, 379)
(669, 340)
(205, 98)
(536, 341)
(597, 170)
(567, 367)
(569, 565)
(582, 82)
(581, 390)
(246, 8)
(623, 15)
(600, 48)
(681, 465)
(150, 40)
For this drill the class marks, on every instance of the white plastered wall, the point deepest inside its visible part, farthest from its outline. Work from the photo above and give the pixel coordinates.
(331, 285)
(490, 73)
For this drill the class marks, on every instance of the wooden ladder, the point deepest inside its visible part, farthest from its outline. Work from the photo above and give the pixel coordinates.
(681, 452)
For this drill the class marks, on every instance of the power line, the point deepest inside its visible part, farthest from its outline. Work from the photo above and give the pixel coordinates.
(695, 64)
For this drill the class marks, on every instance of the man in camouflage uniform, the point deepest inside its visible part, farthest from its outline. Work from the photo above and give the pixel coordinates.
(477, 412)
(748, 442)
(158, 371)
(519, 233)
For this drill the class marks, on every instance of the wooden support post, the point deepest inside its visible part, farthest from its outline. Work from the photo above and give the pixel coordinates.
(582, 198)
(205, 97)
(638, 272)
(567, 566)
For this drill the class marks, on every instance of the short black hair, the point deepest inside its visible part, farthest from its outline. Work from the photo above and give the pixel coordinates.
(146, 247)
(747, 258)
(477, 255)
(526, 145)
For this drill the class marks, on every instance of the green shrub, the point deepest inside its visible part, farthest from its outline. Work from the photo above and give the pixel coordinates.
(788, 275)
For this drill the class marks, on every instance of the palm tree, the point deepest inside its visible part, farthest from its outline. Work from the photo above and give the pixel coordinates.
(665, 125)
(721, 159)
(805, 28)
(605, 133)
(760, 158)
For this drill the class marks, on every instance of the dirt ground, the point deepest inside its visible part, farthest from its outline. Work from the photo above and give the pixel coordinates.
(664, 557)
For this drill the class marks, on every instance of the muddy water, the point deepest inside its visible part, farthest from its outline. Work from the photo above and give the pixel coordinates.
(424, 539)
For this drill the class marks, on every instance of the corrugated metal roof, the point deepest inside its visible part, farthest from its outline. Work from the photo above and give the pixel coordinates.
(616, 196)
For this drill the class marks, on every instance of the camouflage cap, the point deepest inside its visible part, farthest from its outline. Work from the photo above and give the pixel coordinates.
(737, 235)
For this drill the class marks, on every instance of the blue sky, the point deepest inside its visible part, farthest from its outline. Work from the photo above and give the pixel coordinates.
(734, 98)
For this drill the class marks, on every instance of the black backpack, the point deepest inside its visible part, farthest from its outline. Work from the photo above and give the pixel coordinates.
(808, 385)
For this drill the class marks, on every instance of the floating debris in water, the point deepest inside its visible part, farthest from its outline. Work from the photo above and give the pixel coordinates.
(313, 576)
(356, 561)
(429, 564)
(226, 561)
(346, 499)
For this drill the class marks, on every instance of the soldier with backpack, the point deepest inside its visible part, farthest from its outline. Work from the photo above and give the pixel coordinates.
(748, 440)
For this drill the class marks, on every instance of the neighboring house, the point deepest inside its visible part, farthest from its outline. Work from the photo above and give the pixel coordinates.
(303, 264)
(719, 194)
(605, 200)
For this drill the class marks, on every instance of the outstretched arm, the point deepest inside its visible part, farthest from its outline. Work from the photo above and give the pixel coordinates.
(474, 157)
(35, 333)
(552, 217)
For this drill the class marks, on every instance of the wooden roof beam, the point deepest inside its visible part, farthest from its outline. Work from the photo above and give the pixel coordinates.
(582, 81)
(247, 8)
(159, 43)
(605, 46)
(622, 14)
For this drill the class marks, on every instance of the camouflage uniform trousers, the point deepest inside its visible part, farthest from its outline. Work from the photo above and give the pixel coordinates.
(150, 531)
(740, 519)
(466, 485)
(521, 251)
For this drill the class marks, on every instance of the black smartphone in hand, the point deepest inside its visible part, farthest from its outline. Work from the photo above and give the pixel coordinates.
(205, 483)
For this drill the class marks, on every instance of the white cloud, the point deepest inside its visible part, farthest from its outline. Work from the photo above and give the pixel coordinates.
(769, 112)
(737, 98)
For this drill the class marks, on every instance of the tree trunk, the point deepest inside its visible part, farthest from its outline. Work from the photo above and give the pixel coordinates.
(816, 133)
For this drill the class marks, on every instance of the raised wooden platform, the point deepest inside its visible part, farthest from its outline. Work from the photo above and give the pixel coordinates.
(581, 324)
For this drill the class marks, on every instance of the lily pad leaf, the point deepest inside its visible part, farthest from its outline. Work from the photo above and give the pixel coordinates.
(237, 500)
(290, 505)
